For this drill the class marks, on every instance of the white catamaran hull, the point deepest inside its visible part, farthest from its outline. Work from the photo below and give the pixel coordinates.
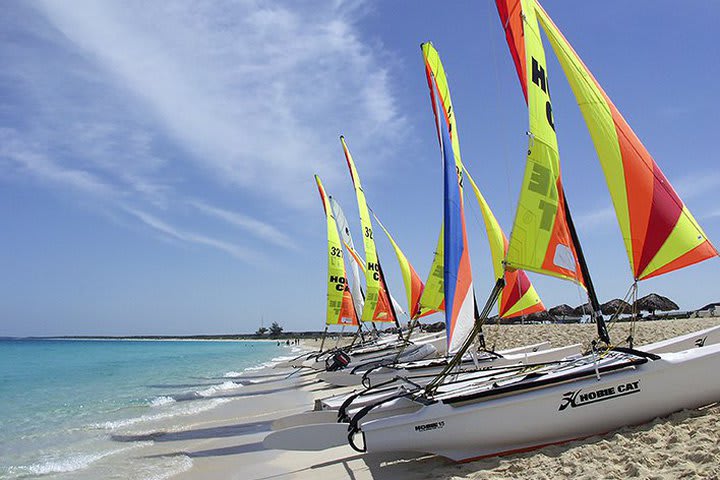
(402, 367)
(326, 410)
(419, 349)
(553, 414)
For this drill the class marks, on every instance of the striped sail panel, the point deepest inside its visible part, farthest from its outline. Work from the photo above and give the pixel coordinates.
(346, 237)
(340, 308)
(511, 18)
(659, 232)
(433, 296)
(459, 297)
(438, 84)
(457, 272)
(413, 284)
(377, 307)
(360, 263)
(540, 240)
(518, 297)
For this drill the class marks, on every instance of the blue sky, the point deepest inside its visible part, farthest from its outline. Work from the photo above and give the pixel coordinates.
(156, 159)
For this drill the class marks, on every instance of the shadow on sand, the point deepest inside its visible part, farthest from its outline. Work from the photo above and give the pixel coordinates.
(198, 433)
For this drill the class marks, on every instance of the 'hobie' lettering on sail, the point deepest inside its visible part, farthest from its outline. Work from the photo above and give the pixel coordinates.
(540, 79)
(340, 282)
(375, 268)
(579, 398)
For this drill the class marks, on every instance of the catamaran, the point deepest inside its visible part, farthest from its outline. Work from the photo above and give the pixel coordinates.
(609, 387)
(518, 296)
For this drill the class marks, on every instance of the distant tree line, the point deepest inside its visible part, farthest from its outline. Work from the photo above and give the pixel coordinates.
(275, 330)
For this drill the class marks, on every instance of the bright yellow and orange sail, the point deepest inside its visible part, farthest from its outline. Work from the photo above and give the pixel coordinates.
(518, 297)
(413, 284)
(340, 308)
(377, 306)
(659, 232)
(540, 240)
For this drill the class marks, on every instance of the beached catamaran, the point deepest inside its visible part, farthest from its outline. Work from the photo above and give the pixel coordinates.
(609, 387)
(342, 307)
(523, 407)
(388, 380)
(517, 295)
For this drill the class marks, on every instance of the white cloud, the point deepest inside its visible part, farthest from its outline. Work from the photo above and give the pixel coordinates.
(148, 105)
(259, 229)
(192, 237)
(596, 219)
(25, 159)
(255, 91)
(697, 184)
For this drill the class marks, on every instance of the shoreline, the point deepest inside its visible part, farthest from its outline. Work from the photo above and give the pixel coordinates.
(645, 451)
(225, 440)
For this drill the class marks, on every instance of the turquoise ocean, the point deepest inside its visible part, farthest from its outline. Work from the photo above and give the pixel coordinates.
(63, 400)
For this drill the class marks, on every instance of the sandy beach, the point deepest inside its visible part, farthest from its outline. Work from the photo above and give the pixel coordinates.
(226, 442)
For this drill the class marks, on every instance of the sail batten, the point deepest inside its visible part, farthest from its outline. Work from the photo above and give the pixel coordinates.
(340, 308)
(659, 232)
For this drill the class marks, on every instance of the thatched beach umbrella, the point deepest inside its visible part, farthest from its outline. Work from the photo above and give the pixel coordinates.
(614, 306)
(651, 303)
(585, 309)
(563, 310)
(543, 316)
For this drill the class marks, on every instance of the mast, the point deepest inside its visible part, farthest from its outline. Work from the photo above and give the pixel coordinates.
(596, 315)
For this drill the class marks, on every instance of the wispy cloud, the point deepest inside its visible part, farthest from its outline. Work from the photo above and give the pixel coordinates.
(601, 218)
(252, 91)
(146, 105)
(697, 184)
(191, 237)
(23, 159)
(257, 228)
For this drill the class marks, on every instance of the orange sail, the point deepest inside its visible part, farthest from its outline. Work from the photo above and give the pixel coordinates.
(540, 240)
(659, 232)
(340, 308)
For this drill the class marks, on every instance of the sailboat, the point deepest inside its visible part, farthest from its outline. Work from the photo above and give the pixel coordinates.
(517, 295)
(378, 304)
(389, 381)
(511, 410)
(610, 386)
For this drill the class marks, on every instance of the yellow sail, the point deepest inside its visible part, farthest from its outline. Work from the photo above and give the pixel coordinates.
(659, 232)
(377, 306)
(413, 285)
(518, 296)
(340, 308)
(540, 240)
(433, 296)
